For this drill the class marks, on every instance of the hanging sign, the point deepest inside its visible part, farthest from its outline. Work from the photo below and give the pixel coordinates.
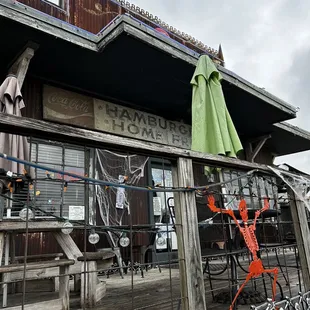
(67, 107)
(132, 123)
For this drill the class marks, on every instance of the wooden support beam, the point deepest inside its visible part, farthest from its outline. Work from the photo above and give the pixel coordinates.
(64, 287)
(250, 153)
(20, 226)
(302, 233)
(36, 265)
(40, 129)
(21, 64)
(88, 284)
(189, 253)
(68, 246)
(1, 246)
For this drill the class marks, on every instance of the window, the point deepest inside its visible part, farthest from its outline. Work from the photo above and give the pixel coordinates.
(53, 197)
(253, 188)
(59, 3)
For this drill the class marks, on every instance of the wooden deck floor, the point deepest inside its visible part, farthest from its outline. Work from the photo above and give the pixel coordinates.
(156, 289)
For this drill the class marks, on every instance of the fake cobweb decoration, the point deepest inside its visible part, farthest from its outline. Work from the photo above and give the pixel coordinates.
(300, 184)
(114, 202)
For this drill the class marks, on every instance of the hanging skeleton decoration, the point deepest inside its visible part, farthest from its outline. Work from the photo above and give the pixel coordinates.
(256, 267)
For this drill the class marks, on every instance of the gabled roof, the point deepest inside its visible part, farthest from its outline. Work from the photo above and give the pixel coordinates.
(134, 28)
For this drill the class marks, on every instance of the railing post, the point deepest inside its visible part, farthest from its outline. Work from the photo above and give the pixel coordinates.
(301, 228)
(189, 253)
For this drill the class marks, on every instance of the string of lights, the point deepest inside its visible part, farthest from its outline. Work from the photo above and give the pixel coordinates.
(123, 185)
(104, 228)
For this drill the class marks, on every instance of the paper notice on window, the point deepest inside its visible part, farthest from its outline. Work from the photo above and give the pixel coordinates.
(157, 206)
(120, 198)
(77, 213)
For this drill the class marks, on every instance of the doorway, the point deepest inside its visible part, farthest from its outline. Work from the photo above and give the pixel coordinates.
(162, 212)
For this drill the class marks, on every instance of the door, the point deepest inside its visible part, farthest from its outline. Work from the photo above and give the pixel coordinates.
(162, 212)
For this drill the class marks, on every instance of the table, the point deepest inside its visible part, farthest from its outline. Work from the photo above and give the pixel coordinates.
(11, 226)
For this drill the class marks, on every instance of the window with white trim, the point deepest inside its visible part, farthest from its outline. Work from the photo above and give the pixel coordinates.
(59, 3)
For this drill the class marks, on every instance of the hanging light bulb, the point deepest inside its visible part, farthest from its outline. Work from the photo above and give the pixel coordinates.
(160, 240)
(124, 241)
(93, 237)
(67, 228)
(23, 214)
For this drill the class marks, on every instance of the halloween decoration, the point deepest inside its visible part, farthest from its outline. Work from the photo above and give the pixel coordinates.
(256, 267)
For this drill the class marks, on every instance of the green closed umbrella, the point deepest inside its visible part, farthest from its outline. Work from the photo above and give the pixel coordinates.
(213, 130)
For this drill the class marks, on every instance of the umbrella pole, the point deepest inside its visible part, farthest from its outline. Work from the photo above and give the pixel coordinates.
(7, 250)
(9, 206)
(5, 277)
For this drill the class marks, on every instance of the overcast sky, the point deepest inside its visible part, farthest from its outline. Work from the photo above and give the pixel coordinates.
(266, 42)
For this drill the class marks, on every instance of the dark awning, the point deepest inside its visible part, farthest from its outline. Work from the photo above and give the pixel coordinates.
(288, 139)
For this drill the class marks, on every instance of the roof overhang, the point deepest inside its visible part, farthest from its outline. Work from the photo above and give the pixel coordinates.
(130, 63)
(288, 139)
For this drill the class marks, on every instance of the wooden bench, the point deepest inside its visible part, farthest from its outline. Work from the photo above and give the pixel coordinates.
(20, 259)
(62, 303)
(93, 290)
(39, 285)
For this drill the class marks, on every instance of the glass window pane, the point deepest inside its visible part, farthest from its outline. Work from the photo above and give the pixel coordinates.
(56, 2)
(80, 171)
(74, 158)
(50, 154)
(49, 199)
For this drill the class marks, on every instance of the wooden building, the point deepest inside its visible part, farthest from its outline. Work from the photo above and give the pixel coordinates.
(101, 74)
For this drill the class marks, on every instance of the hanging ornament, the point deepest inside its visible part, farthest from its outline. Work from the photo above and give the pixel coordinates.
(160, 240)
(67, 228)
(23, 214)
(93, 237)
(124, 241)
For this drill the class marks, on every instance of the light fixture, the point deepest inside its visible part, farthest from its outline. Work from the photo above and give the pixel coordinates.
(23, 214)
(93, 237)
(67, 228)
(160, 240)
(124, 241)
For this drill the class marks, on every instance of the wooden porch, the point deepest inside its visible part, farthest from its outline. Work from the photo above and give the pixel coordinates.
(161, 290)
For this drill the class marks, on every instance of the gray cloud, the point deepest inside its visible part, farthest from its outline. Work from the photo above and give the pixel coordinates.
(266, 42)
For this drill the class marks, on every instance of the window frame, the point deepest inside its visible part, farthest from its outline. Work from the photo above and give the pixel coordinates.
(64, 146)
(60, 6)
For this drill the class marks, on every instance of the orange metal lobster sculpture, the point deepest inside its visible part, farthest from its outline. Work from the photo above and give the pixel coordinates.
(256, 267)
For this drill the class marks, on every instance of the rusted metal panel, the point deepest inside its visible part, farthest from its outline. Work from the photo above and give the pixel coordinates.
(93, 16)
(32, 93)
(45, 243)
(48, 8)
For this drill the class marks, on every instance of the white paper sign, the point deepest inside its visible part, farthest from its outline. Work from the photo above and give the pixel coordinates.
(77, 213)
(120, 198)
(157, 206)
